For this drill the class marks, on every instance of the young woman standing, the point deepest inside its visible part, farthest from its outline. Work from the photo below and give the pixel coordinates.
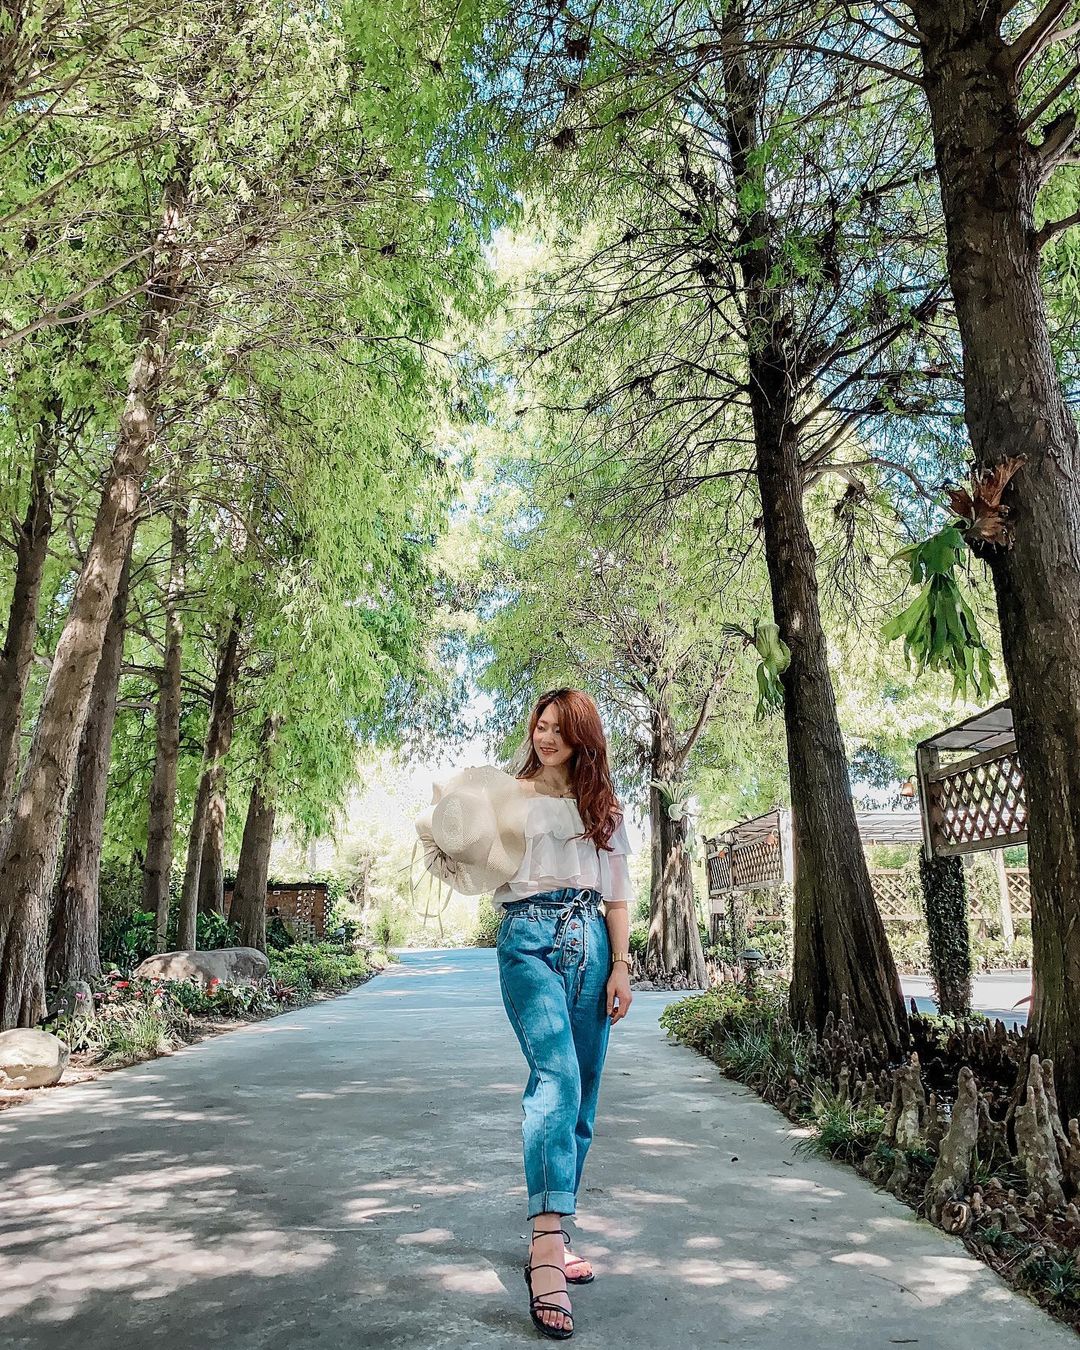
(564, 971)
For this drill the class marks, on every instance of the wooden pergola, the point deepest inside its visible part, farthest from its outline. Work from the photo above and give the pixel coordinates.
(971, 786)
(758, 854)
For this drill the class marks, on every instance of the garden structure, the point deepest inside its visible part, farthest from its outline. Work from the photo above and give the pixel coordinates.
(971, 786)
(759, 855)
(302, 907)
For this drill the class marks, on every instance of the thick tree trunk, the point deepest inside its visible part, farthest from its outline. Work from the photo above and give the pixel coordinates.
(31, 551)
(248, 910)
(218, 740)
(674, 945)
(1014, 406)
(157, 868)
(30, 839)
(73, 947)
(945, 906)
(841, 949)
(31, 836)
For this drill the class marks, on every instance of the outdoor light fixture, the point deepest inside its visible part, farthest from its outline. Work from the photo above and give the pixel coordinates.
(908, 788)
(751, 961)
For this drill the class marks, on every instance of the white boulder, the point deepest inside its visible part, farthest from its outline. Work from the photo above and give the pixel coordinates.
(31, 1059)
(230, 965)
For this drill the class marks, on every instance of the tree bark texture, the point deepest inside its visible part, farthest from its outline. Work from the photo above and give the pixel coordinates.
(674, 944)
(30, 838)
(990, 175)
(218, 739)
(157, 868)
(73, 945)
(31, 552)
(212, 866)
(841, 948)
(248, 910)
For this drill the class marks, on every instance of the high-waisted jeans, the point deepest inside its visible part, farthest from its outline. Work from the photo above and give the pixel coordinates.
(554, 962)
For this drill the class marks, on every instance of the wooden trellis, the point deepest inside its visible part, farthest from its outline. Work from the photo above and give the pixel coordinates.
(975, 801)
(759, 855)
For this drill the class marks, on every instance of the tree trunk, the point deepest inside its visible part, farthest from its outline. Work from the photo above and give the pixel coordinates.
(248, 910)
(945, 905)
(674, 945)
(218, 739)
(841, 949)
(212, 867)
(30, 838)
(157, 868)
(73, 947)
(31, 551)
(1014, 406)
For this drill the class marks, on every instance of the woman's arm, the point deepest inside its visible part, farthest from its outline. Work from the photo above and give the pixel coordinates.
(619, 997)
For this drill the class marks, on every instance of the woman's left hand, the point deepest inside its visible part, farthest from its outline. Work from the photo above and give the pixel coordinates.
(619, 996)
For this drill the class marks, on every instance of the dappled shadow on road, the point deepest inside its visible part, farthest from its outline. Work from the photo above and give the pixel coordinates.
(351, 1176)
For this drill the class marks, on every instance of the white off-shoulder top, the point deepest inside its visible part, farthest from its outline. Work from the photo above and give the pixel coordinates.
(555, 859)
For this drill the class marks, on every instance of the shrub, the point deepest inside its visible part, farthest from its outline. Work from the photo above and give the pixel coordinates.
(639, 937)
(389, 929)
(488, 918)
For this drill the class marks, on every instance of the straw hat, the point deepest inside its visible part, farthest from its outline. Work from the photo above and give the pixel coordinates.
(474, 834)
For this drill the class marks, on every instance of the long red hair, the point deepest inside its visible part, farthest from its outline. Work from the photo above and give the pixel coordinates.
(590, 777)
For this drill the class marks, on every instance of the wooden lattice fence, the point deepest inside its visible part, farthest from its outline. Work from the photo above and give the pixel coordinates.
(302, 907)
(897, 893)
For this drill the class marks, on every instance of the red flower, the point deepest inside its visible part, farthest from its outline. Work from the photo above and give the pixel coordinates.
(121, 984)
(214, 981)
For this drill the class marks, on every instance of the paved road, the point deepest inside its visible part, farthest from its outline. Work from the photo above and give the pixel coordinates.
(348, 1176)
(996, 994)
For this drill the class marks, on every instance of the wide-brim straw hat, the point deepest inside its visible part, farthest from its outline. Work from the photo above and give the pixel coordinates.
(474, 834)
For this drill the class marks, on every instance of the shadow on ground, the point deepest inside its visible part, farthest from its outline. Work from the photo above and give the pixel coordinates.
(349, 1175)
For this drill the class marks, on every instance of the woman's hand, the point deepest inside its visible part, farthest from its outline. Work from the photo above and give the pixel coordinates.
(619, 996)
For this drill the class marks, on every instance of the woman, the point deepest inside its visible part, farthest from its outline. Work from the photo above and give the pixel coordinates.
(564, 971)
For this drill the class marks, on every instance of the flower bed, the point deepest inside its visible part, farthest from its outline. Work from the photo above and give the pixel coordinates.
(138, 1019)
(947, 1130)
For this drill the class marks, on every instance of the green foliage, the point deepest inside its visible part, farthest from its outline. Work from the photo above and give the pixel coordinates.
(842, 1129)
(946, 909)
(488, 919)
(939, 629)
(318, 966)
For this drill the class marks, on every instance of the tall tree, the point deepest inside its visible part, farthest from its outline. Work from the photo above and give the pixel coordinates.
(73, 943)
(1001, 93)
(764, 243)
(31, 551)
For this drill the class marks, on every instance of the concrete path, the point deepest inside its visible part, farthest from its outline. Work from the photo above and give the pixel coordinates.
(349, 1176)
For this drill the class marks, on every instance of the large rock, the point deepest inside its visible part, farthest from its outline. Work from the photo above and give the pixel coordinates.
(31, 1059)
(230, 965)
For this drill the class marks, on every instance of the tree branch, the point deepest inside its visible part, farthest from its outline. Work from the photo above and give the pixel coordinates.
(1039, 33)
(1059, 138)
(1055, 227)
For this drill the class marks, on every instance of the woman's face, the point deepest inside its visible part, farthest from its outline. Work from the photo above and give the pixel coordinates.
(551, 749)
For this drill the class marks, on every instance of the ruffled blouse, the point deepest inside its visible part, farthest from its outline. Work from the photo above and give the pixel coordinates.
(557, 856)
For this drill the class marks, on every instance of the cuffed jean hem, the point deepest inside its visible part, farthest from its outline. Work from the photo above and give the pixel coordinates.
(552, 1202)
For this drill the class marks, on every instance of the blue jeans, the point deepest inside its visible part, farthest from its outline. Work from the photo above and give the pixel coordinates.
(554, 962)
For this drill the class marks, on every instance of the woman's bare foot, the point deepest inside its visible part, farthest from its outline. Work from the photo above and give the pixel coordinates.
(577, 1267)
(548, 1285)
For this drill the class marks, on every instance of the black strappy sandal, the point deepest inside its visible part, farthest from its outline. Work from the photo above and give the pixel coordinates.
(537, 1304)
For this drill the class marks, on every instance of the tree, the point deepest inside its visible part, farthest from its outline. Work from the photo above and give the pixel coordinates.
(634, 618)
(781, 224)
(1003, 112)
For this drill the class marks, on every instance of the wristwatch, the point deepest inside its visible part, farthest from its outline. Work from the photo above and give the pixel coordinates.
(621, 956)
